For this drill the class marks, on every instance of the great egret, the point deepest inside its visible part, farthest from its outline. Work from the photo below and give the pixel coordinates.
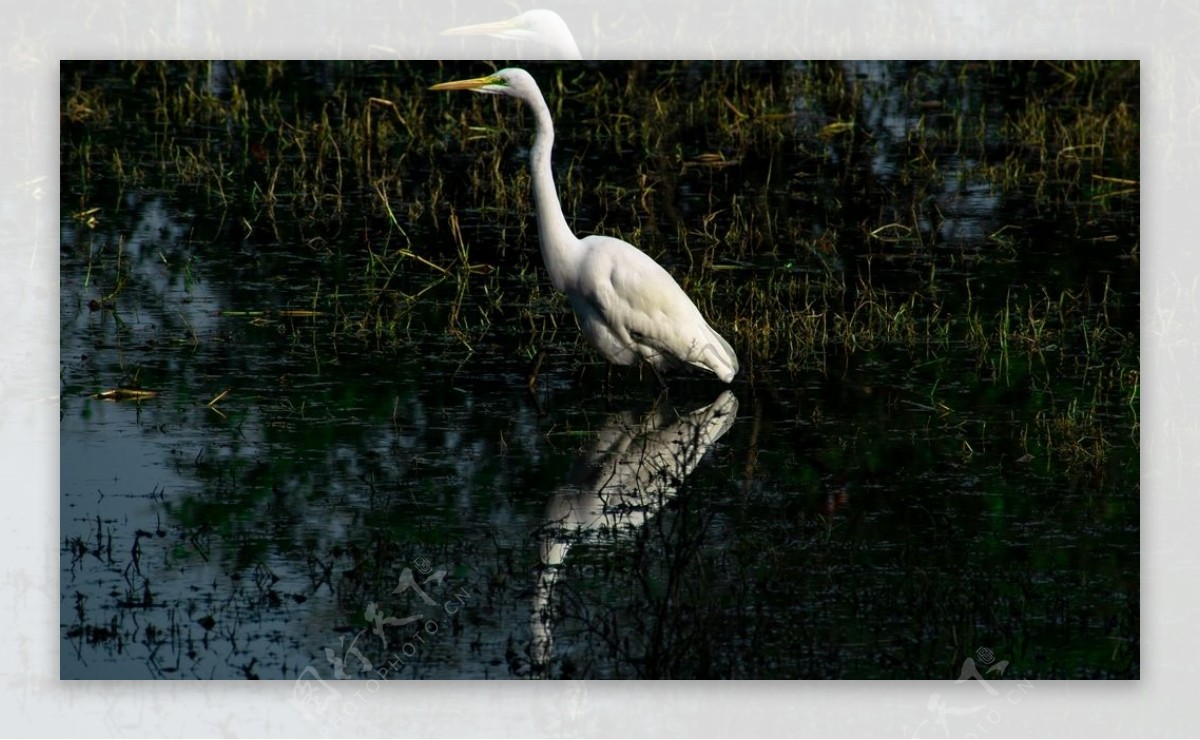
(544, 27)
(628, 306)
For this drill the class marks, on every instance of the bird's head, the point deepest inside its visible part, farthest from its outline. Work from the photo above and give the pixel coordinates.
(512, 81)
(543, 27)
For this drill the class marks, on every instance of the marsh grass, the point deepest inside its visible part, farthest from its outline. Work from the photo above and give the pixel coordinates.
(751, 182)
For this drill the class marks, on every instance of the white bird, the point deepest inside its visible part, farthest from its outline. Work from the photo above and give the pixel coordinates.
(628, 306)
(544, 27)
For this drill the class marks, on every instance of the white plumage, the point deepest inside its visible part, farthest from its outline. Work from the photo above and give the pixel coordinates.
(543, 27)
(628, 306)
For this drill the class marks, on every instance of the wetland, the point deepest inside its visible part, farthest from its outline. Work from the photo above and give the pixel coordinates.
(300, 303)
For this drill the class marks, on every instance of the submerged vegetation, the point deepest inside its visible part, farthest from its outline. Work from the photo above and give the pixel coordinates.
(917, 264)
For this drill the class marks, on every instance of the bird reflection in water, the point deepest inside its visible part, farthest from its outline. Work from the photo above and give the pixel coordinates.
(631, 470)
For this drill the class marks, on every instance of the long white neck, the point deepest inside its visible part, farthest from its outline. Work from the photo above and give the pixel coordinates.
(560, 247)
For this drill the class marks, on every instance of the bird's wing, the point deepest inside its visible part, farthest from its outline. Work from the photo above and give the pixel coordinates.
(640, 300)
(630, 291)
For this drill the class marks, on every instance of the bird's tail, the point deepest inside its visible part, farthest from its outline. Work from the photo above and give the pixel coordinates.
(716, 355)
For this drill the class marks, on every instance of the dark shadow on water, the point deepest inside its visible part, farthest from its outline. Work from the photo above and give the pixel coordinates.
(634, 468)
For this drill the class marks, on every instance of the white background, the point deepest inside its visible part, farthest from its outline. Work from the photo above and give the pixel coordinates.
(1164, 34)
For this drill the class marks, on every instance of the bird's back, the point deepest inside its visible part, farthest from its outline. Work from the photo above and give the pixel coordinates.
(627, 303)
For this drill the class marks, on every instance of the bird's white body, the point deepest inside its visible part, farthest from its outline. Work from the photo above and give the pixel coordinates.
(628, 306)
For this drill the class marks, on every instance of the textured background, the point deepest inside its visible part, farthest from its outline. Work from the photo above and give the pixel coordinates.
(1163, 35)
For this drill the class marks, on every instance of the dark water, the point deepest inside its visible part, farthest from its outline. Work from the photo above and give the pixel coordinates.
(387, 498)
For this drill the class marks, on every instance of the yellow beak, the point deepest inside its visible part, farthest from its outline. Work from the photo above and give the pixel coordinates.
(474, 84)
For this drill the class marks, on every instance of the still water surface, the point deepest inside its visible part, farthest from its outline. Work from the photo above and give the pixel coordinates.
(356, 505)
